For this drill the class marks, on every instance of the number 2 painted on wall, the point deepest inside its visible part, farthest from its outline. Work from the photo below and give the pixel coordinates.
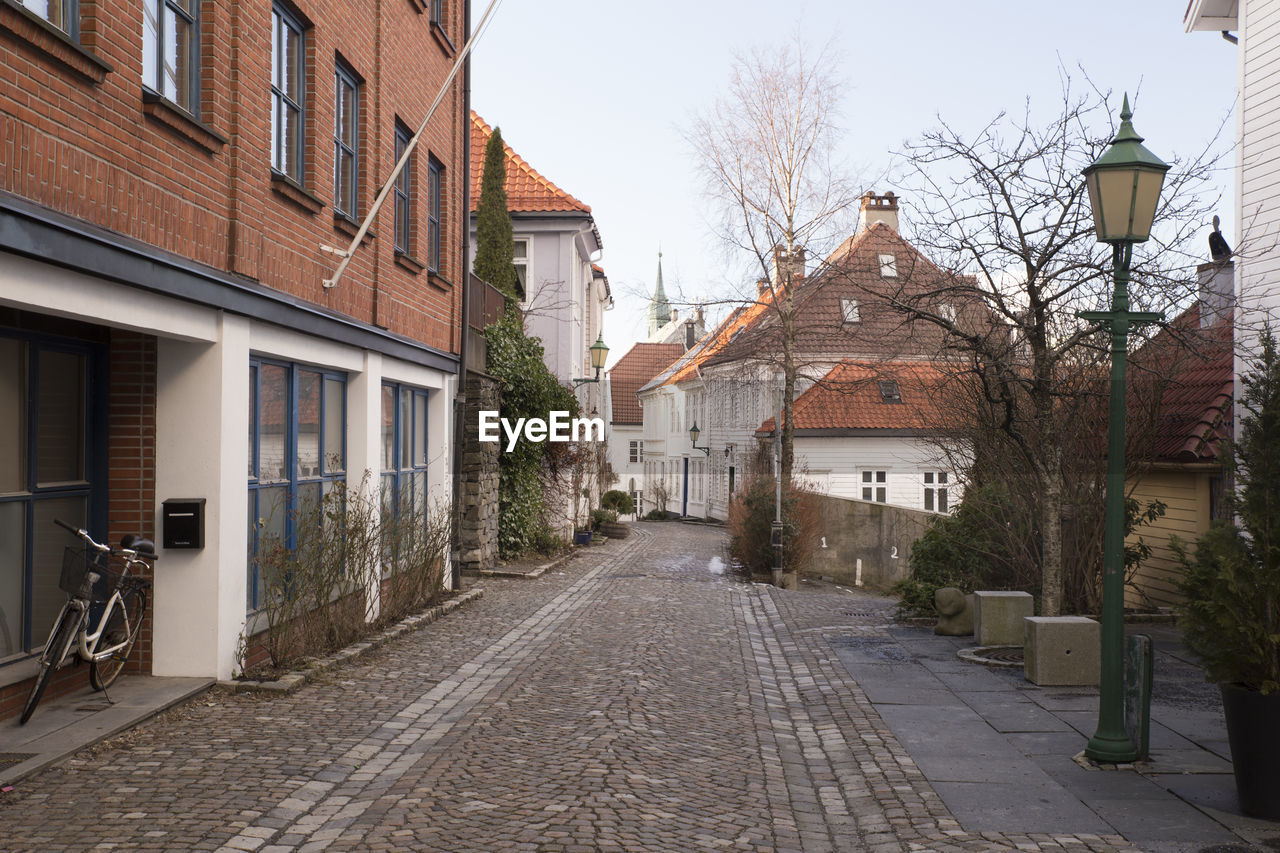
(893, 552)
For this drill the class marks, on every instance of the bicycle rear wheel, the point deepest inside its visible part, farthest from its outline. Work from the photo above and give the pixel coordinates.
(55, 652)
(123, 624)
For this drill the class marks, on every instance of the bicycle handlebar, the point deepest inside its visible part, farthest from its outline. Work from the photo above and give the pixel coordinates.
(106, 549)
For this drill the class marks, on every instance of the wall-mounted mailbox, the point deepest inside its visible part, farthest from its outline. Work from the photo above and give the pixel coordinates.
(182, 522)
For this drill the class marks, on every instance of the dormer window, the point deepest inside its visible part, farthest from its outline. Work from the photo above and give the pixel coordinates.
(849, 310)
(889, 391)
(888, 266)
(947, 311)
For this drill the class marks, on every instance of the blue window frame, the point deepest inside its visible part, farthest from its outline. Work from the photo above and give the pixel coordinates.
(437, 12)
(346, 141)
(53, 455)
(403, 193)
(435, 172)
(297, 452)
(288, 93)
(404, 451)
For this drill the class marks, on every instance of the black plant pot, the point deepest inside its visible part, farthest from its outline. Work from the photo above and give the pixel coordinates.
(1253, 728)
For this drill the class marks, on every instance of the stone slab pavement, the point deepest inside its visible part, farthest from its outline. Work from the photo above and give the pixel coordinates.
(633, 699)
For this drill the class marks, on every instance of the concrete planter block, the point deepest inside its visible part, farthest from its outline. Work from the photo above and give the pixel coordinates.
(1062, 650)
(997, 617)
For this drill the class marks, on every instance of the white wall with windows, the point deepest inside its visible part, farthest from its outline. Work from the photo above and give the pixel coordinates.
(903, 471)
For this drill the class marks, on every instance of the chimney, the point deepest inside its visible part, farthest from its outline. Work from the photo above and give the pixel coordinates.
(690, 334)
(675, 313)
(878, 208)
(782, 264)
(1217, 292)
(762, 287)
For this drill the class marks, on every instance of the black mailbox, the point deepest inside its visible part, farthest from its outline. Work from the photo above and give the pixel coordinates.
(182, 522)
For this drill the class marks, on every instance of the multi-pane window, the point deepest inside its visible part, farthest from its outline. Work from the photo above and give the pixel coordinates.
(434, 174)
(520, 258)
(171, 50)
(297, 453)
(404, 454)
(935, 491)
(48, 470)
(63, 14)
(403, 192)
(636, 451)
(346, 142)
(437, 12)
(875, 486)
(288, 94)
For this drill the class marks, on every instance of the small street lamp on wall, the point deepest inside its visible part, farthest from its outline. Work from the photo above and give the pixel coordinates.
(1124, 191)
(694, 432)
(599, 354)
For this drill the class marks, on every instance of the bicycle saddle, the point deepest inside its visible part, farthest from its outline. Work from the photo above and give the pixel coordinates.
(134, 542)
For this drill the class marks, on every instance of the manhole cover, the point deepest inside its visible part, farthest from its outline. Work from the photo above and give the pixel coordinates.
(875, 648)
(861, 614)
(8, 759)
(993, 655)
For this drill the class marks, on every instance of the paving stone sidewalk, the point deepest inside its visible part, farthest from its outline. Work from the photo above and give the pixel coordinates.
(631, 699)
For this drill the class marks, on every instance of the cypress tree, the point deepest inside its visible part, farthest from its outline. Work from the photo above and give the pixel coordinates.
(495, 246)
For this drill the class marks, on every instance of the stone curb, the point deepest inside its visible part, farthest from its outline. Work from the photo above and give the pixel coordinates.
(530, 575)
(290, 682)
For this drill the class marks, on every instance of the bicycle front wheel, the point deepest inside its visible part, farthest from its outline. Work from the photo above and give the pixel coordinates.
(123, 623)
(55, 652)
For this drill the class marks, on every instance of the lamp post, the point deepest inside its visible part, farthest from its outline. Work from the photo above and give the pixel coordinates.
(1124, 189)
(599, 354)
(694, 432)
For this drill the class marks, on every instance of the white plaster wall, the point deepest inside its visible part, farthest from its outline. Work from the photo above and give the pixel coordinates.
(202, 425)
(838, 463)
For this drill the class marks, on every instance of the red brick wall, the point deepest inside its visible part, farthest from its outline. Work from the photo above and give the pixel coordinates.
(79, 139)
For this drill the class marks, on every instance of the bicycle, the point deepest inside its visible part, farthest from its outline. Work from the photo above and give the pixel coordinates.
(103, 614)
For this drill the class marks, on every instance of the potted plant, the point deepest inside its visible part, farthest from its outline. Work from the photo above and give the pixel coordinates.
(621, 504)
(1231, 617)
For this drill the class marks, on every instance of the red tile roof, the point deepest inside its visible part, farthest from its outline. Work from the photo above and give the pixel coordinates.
(641, 363)
(850, 397)
(527, 190)
(1180, 390)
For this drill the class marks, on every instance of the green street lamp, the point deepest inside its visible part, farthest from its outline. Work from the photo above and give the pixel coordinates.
(599, 354)
(1124, 190)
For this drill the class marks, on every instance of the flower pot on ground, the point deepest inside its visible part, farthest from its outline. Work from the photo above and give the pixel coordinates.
(1231, 616)
(582, 537)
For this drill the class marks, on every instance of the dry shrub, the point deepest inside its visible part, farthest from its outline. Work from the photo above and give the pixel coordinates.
(750, 523)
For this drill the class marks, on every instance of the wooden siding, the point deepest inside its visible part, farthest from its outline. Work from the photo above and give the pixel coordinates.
(1186, 497)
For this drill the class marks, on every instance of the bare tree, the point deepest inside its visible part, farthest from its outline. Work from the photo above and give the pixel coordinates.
(1006, 212)
(765, 154)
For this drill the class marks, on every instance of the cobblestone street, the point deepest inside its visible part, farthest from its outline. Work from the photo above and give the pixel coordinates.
(634, 699)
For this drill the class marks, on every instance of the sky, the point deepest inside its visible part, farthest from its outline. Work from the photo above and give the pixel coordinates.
(598, 96)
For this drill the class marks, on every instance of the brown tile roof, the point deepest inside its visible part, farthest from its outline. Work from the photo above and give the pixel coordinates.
(641, 363)
(527, 190)
(1180, 389)
(850, 397)
(853, 272)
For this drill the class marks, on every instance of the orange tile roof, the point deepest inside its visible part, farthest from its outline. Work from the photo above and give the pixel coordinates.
(641, 363)
(527, 190)
(716, 342)
(849, 398)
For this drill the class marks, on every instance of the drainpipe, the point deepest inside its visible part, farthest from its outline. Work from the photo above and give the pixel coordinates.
(460, 395)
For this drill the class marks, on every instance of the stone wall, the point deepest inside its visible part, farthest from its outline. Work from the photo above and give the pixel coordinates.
(478, 518)
(879, 535)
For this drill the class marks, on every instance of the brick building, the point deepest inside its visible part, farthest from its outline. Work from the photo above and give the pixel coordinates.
(169, 174)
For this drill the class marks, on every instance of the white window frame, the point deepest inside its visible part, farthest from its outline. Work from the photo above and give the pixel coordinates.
(524, 264)
(935, 485)
(873, 485)
(888, 266)
(849, 309)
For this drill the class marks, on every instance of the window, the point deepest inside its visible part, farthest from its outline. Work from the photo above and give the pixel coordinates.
(346, 142)
(849, 310)
(48, 469)
(434, 173)
(63, 14)
(875, 486)
(404, 454)
(888, 266)
(437, 12)
(403, 192)
(935, 491)
(889, 392)
(947, 311)
(636, 452)
(521, 260)
(288, 96)
(297, 453)
(171, 50)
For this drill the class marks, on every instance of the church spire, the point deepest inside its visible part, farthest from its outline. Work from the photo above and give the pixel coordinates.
(659, 307)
